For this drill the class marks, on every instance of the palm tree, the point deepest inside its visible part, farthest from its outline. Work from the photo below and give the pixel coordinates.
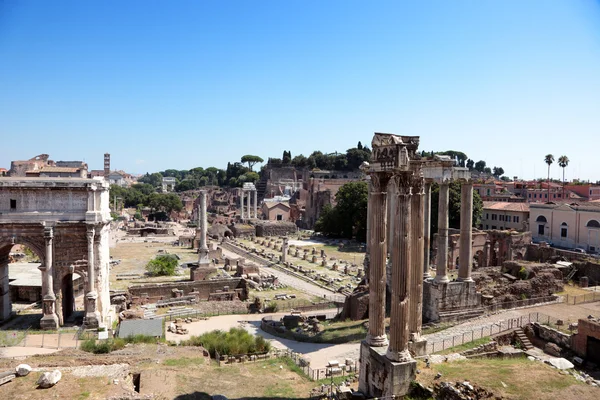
(549, 159)
(563, 161)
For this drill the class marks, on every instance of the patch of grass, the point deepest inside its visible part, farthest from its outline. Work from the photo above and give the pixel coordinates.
(11, 338)
(524, 379)
(183, 362)
(428, 330)
(135, 339)
(83, 395)
(102, 346)
(465, 346)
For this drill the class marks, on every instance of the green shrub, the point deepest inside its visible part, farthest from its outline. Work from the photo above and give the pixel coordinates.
(163, 265)
(272, 306)
(523, 273)
(140, 339)
(236, 341)
(102, 346)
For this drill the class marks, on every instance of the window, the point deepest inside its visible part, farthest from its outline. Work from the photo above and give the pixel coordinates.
(494, 217)
(488, 192)
(501, 217)
(493, 226)
(279, 217)
(487, 216)
(546, 195)
(559, 195)
(529, 195)
(487, 227)
(593, 224)
(515, 219)
(13, 204)
(535, 195)
(563, 230)
(541, 229)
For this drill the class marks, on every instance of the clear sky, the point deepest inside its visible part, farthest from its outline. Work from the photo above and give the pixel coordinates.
(181, 84)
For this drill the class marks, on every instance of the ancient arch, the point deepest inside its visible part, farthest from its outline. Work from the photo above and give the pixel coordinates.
(66, 222)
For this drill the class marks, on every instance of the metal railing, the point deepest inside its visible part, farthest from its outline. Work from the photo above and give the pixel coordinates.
(51, 340)
(483, 331)
(582, 298)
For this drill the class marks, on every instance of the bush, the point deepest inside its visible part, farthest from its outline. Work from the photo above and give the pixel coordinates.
(236, 341)
(163, 265)
(272, 307)
(140, 339)
(103, 346)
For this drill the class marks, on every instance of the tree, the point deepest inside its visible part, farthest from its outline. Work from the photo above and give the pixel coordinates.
(563, 162)
(487, 170)
(154, 179)
(359, 145)
(163, 265)
(251, 160)
(549, 159)
(480, 165)
(470, 164)
(498, 172)
(348, 218)
(453, 206)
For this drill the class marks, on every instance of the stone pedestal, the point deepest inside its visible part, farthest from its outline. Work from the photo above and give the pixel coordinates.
(92, 316)
(418, 347)
(381, 377)
(49, 319)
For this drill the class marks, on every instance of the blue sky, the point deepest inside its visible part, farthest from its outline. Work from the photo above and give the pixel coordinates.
(181, 84)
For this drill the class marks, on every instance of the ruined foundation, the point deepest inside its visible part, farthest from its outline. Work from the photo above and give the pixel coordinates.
(381, 377)
(453, 301)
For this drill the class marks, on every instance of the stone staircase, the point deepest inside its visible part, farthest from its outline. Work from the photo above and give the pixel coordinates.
(521, 337)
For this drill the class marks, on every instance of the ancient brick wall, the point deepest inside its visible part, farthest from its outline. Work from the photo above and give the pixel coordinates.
(585, 329)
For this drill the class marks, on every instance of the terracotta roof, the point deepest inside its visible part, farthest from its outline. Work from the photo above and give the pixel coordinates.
(271, 204)
(504, 206)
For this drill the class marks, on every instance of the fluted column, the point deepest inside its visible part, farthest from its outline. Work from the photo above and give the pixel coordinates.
(417, 254)
(466, 232)
(401, 270)
(255, 203)
(49, 319)
(203, 222)
(249, 205)
(442, 250)
(426, 228)
(377, 243)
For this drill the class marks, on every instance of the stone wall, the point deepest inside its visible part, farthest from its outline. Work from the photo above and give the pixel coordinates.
(589, 269)
(151, 293)
(275, 228)
(552, 335)
(447, 298)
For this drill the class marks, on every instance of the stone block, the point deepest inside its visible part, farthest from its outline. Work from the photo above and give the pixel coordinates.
(381, 377)
(49, 379)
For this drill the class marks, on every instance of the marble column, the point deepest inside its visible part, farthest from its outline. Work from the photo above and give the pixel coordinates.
(401, 270)
(203, 224)
(377, 243)
(466, 232)
(255, 203)
(284, 249)
(442, 248)
(242, 198)
(91, 297)
(417, 254)
(248, 205)
(426, 229)
(49, 319)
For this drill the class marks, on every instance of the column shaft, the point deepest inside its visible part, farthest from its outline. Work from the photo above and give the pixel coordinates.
(91, 271)
(466, 232)
(417, 254)
(426, 229)
(203, 248)
(49, 319)
(377, 216)
(401, 271)
(442, 250)
(242, 203)
(255, 204)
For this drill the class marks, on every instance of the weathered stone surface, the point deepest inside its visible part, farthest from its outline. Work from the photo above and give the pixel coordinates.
(560, 363)
(552, 349)
(23, 370)
(49, 379)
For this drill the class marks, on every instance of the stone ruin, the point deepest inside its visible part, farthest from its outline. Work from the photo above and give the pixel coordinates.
(516, 281)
